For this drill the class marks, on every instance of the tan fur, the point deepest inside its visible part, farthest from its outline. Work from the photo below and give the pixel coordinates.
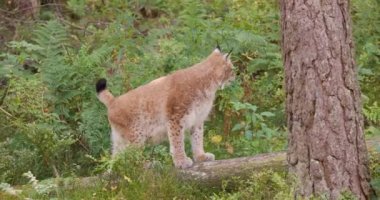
(170, 104)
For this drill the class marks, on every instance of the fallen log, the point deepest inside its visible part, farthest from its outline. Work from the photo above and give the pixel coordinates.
(214, 172)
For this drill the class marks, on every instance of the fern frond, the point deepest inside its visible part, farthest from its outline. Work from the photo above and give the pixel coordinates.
(94, 58)
(52, 37)
(372, 113)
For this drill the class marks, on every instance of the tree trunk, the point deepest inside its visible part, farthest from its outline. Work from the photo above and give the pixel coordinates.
(327, 151)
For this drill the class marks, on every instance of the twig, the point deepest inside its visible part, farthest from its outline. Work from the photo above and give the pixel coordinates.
(74, 26)
(55, 171)
(83, 145)
(5, 94)
(7, 113)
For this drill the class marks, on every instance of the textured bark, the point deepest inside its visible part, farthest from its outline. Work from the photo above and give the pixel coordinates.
(214, 172)
(326, 150)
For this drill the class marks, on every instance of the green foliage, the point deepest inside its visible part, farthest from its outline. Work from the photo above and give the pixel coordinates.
(147, 177)
(52, 127)
(68, 74)
(253, 122)
(262, 185)
(78, 7)
(41, 189)
(372, 113)
(20, 53)
(365, 15)
(38, 139)
(141, 174)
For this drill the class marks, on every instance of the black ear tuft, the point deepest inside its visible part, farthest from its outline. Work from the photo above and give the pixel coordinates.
(229, 53)
(218, 46)
(101, 85)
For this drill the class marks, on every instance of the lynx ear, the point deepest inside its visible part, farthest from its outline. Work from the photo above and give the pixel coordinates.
(227, 55)
(218, 46)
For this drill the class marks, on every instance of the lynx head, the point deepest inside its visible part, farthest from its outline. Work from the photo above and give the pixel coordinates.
(223, 67)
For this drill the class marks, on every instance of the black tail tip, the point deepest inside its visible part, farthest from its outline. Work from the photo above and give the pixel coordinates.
(101, 85)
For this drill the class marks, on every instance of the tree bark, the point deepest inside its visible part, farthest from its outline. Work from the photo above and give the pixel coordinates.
(326, 149)
(212, 173)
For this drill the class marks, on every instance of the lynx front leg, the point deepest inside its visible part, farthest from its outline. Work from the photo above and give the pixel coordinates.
(176, 135)
(197, 145)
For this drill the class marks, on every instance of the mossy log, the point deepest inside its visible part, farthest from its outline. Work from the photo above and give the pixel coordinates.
(211, 174)
(214, 172)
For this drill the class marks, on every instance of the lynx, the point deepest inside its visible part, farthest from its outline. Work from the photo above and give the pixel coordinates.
(168, 106)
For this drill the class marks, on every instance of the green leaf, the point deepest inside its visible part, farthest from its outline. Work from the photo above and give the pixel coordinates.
(248, 135)
(267, 114)
(237, 127)
(365, 71)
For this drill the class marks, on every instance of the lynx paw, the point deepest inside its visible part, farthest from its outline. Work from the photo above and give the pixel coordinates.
(204, 157)
(183, 163)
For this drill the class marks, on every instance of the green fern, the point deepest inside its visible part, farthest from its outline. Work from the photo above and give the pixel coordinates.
(372, 113)
(53, 39)
(67, 76)
(70, 75)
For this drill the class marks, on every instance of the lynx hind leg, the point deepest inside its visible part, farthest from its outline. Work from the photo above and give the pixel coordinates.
(199, 154)
(123, 136)
(176, 134)
(118, 142)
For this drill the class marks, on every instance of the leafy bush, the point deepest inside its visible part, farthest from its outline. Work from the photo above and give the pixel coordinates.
(33, 138)
(366, 31)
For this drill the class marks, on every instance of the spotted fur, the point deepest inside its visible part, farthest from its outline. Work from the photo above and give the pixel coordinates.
(168, 106)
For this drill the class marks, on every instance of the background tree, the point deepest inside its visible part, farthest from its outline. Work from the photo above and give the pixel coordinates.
(326, 151)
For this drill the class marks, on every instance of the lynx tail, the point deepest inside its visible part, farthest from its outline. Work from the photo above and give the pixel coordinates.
(103, 94)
